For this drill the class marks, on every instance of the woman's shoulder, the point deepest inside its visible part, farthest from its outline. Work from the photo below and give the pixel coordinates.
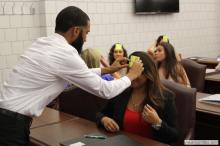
(168, 95)
(125, 95)
(179, 68)
(123, 72)
(169, 99)
(107, 77)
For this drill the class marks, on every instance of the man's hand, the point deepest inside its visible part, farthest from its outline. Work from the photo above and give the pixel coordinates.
(136, 70)
(120, 62)
(116, 66)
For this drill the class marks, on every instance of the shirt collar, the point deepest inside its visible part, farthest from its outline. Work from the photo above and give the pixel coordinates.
(62, 39)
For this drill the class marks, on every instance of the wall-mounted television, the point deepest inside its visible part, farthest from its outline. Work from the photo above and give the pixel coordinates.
(156, 6)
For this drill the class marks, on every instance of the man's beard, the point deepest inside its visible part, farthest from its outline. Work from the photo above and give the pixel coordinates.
(78, 43)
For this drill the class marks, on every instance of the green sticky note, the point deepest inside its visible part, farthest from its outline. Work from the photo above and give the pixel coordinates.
(133, 59)
(165, 39)
(118, 47)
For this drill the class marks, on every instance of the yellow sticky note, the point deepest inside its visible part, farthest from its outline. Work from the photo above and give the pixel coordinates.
(118, 47)
(133, 59)
(165, 39)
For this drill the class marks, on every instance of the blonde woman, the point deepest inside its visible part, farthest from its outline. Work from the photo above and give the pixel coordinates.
(94, 59)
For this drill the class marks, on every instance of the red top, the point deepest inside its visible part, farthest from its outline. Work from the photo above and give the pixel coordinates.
(134, 123)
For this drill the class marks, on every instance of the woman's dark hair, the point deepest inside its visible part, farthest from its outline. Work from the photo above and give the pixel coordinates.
(154, 87)
(69, 17)
(159, 40)
(173, 68)
(111, 53)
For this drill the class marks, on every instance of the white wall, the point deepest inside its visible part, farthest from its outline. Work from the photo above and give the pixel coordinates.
(18, 28)
(195, 31)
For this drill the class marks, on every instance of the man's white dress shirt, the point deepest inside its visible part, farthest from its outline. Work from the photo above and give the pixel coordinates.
(42, 73)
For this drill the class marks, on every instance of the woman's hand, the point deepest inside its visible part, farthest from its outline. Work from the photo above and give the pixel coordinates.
(150, 115)
(120, 63)
(110, 124)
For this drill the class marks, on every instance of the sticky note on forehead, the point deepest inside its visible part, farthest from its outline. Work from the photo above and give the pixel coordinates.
(133, 59)
(118, 47)
(165, 39)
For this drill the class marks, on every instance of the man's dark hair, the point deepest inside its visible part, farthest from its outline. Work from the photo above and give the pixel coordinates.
(69, 17)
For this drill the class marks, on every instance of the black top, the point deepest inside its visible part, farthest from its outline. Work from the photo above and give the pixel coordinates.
(116, 107)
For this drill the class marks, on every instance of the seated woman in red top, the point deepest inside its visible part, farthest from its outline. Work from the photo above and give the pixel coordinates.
(146, 109)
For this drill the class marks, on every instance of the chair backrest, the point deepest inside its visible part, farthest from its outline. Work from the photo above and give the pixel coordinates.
(186, 110)
(81, 103)
(196, 73)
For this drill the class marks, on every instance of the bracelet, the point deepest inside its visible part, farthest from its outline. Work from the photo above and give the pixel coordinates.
(157, 126)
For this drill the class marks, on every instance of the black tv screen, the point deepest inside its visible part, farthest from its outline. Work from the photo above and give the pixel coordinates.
(156, 6)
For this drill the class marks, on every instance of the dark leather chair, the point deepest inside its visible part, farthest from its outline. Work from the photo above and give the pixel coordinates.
(186, 110)
(81, 103)
(196, 73)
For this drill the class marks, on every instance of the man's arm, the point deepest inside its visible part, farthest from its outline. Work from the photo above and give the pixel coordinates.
(133, 73)
(74, 70)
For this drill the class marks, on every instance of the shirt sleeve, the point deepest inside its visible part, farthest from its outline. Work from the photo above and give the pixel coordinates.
(96, 70)
(70, 67)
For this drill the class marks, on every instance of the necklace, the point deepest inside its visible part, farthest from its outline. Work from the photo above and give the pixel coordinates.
(136, 106)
